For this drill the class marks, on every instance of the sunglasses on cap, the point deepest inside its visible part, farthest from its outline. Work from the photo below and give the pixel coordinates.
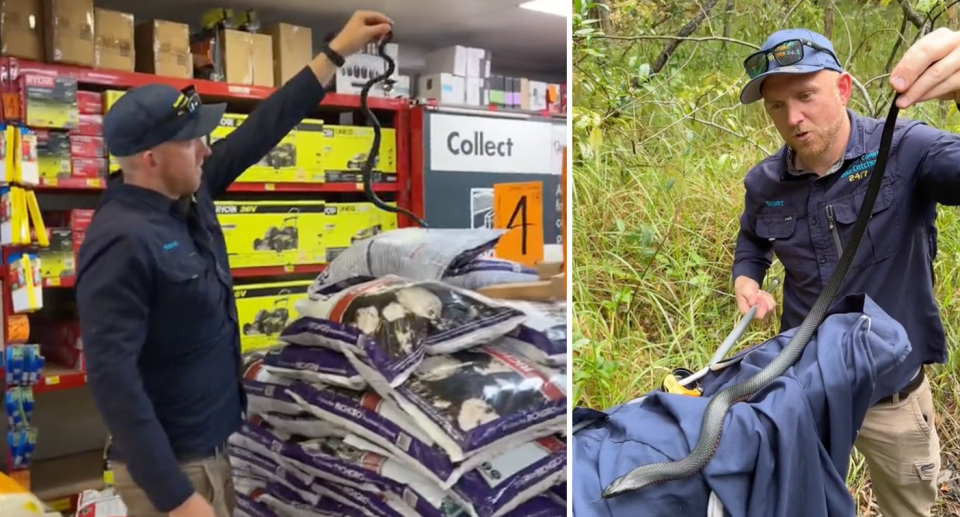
(786, 53)
(188, 103)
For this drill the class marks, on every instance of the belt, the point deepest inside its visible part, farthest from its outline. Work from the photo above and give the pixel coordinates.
(907, 390)
(220, 451)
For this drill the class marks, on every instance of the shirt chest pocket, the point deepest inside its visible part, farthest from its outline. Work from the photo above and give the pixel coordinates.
(882, 238)
(184, 287)
(789, 238)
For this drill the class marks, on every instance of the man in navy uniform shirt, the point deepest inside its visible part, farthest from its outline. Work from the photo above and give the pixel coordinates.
(801, 204)
(157, 312)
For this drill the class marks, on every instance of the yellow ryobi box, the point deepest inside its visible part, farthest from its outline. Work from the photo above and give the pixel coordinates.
(49, 101)
(345, 150)
(296, 159)
(348, 223)
(53, 154)
(58, 261)
(272, 233)
(264, 311)
(109, 99)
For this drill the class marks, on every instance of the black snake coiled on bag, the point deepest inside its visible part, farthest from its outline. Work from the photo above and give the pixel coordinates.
(716, 412)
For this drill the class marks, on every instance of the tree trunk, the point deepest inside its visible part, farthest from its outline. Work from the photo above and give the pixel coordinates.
(684, 32)
(828, 22)
(603, 13)
(727, 14)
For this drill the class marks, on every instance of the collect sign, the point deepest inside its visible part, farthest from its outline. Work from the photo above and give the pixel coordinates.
(486, 144)
(467, 156)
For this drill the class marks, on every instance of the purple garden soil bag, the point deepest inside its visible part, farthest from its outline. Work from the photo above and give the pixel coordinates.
(248, 507)
(285, 502)
(415, 253)
(559, 492)
(313, 365)
(482, 399)
(501, 485)
(540, 506)
(332, 460)
(483, 272)
(379, 421)
(395, 350)
(403, 315)
(542, 337)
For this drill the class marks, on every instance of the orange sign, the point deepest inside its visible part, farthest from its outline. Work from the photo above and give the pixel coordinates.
(518, 207)
(18, 329)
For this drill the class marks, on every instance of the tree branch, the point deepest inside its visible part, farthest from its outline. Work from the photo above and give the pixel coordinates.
(687, 30)
(682, 38)
(863, 91)
(694, 118)
(910, 14)
(896, 45)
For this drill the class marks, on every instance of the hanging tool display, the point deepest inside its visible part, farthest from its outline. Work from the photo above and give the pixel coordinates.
(366, 170)
(722, 401)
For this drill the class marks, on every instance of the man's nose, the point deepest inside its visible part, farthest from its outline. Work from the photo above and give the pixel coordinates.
(794, 116)
(204, 148)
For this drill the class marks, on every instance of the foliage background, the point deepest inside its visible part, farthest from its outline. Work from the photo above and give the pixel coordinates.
(661, 145)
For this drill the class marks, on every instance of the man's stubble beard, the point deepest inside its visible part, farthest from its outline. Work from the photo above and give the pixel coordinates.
(823, 139)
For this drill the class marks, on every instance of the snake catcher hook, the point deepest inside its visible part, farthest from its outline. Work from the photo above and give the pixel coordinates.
(366, 170)
(720, 403)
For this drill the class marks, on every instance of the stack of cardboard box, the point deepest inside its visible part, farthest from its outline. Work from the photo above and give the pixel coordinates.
(74, 32)
(461, 75)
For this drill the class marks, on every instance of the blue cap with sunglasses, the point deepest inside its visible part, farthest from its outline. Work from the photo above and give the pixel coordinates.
(147, 116)
(789, 51)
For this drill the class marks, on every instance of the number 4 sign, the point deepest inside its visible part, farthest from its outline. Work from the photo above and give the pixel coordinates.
(518, 208)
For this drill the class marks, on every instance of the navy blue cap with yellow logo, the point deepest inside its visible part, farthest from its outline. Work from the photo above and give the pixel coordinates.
(147, 116)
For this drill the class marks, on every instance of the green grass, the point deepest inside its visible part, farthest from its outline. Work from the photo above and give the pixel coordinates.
(657, 194)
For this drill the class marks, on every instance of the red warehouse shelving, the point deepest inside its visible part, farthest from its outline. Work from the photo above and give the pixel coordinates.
(83, 191)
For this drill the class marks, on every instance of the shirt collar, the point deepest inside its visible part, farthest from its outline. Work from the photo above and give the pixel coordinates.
(856, 147)
(151, 199)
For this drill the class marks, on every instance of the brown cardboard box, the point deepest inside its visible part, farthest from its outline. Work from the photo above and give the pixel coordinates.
(163, 48)
(292, 49)
(69, 31)
(21, 29)
(237, 53)
(261, 59)
(247, 58)
(113, 47)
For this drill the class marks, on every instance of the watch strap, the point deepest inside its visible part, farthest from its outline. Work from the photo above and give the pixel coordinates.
(333, 55)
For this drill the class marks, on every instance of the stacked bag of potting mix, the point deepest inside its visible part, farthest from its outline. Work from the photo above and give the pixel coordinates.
(397, 390)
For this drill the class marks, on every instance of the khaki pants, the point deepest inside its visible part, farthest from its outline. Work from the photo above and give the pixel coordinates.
(211, 478)
(900, 443)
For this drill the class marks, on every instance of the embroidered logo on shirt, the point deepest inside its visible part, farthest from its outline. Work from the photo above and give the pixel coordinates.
(170, 245)
(860, 169)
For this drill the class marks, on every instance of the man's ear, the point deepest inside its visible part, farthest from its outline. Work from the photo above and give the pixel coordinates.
(845, 87)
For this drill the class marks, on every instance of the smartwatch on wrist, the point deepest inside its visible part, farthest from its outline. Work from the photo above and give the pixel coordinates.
(333, 55)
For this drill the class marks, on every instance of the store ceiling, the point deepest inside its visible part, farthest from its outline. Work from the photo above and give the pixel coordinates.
(519, 39)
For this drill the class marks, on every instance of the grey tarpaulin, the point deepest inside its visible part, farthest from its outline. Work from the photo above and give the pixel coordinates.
(783, 453)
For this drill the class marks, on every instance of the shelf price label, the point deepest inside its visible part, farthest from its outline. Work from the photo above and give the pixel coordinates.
(518, 208)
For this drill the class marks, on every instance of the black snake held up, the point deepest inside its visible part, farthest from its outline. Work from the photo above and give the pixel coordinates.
(712, 425)
(366, 170)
